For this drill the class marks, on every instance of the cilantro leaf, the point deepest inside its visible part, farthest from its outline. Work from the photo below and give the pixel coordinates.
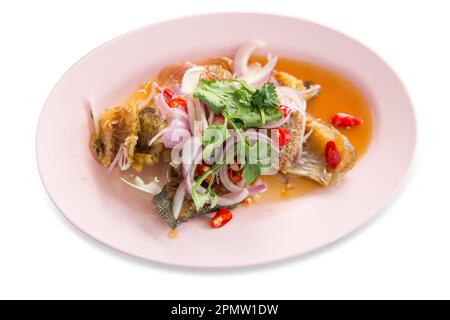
(199, 199)
(251, 172)
(218, 95)
(246, 106)
(213, 137)
(266, 98)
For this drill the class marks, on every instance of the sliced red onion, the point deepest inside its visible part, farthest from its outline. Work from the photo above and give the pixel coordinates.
(168, 172)
(191, 78)
(124, 161)
(311, 90)
(121, 160)
(233, 198)
(307, 135)
(254, 67)
(179, 113)
(229, 144)
(226, 181)
(192, 116)
(154, 187)
(290, 97)
(166, 110)
(180, 122)
(191, 152)
(274, 81)
(165, 131)
(240, 62)
(257, 189)
(201, 115)
(176, 90)
(116, 158)
(178, 200)
(190, 167)
(174, 137)
(162, 105)
(260, 77)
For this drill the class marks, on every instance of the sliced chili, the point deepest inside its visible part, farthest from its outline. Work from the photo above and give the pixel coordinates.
(285, 109)
(167, 93)
(284, 136)
(222, 217)
(332, 156)
(346, 120)
(177, 103)
(201, 169)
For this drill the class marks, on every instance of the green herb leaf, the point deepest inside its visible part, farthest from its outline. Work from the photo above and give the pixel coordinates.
(213, 137)
(251, 172)
(214, 200)
(199, 199)
(243, 104)
(266, 98)
(218, 95)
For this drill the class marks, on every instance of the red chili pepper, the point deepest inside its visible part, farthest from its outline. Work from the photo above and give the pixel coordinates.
(284, 136)
(285, 109)
(332, 156)
(167, 93)
(201, 169)
(177, 103)
(235, 176)
(222, 217)
(346, 120)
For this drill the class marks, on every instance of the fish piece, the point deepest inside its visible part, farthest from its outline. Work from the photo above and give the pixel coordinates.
(313, 164)
(163, 203)
(216, 68)
(224, 62)
(150, 125)
(116, 126)
(288, 152)
(216, 72)
(288, 80)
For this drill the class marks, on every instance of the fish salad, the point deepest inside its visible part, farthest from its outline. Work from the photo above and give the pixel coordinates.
(220, 126)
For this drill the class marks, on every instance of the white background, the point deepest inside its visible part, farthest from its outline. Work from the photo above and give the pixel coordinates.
(403, 253)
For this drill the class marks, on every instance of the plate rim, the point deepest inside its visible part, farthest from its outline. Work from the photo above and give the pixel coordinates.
(400, 183)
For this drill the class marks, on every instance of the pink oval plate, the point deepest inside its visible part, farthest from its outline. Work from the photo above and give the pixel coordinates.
(109, 211)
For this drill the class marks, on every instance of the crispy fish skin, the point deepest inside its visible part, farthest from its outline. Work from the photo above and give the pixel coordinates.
(116, 126)
(216, 68)
(163, 202)
(288, 80)
(313, 164)
(150, 125)
(215, 71)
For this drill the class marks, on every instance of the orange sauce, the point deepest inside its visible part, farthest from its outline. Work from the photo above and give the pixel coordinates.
(173, 234)
(337, 95)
